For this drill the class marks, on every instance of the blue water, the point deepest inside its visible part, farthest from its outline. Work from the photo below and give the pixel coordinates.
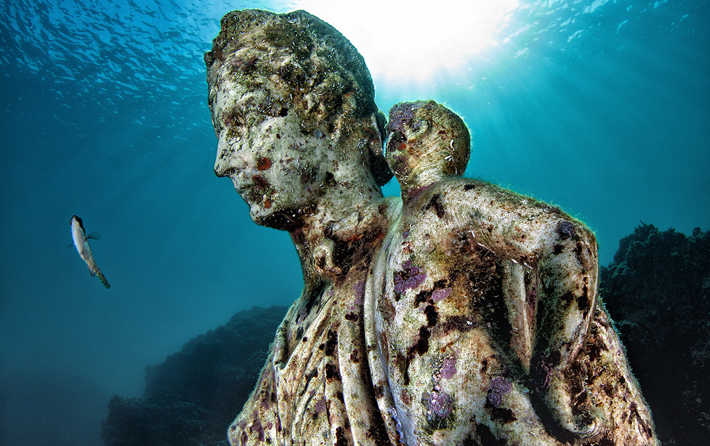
(601, 107)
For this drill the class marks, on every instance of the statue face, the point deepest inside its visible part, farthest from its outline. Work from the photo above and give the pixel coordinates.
(279, 169)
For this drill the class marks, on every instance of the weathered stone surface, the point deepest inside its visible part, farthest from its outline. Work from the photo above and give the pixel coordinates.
(501, 285)
(462, 313)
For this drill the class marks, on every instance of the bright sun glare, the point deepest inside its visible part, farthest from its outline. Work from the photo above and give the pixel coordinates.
(413, 39)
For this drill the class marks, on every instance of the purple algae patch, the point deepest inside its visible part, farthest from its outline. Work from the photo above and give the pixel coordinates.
(410, 283)
(359, 288)
(320, 405)
(441, 294)
(400, 115)
(565, 230)
(410, 278)
(440, 404)
(495, 399)
(354, 309)
(499, 387)
(414, 281)
(256, 426)
(501, 384)
(420, 278)
(398, 284)
(448, 370)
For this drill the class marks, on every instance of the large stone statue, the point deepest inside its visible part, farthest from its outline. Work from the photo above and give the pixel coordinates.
(460, 314)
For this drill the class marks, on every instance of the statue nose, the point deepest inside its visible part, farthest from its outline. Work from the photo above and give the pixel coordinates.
(226, 162)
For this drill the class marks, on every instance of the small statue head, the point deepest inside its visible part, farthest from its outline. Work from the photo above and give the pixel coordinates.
(427, 142)
(292, 104)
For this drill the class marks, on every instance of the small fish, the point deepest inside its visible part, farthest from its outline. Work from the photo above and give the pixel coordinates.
(81, 241)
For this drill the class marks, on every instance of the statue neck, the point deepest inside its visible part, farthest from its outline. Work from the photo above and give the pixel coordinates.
(332, 226)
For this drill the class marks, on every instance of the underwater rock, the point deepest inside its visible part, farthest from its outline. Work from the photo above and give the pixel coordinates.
(194, 394)
(657, 290)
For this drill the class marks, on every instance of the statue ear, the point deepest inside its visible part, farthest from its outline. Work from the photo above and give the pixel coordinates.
(378, 164)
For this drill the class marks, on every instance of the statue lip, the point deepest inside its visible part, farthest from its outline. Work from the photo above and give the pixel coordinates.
(247, 191)
(242, 187)
(254, 190)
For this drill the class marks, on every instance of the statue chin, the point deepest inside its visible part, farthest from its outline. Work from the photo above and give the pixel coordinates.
(282, 220)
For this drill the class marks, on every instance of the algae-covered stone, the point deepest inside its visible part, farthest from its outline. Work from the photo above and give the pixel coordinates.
(462, 313)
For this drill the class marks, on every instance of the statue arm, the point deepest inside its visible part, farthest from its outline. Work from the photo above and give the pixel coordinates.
(560, 254)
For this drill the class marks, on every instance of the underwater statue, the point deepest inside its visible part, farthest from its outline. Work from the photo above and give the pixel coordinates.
(459, 314)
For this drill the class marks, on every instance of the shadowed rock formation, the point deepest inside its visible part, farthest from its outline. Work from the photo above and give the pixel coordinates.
(191, 398)
(657, 289)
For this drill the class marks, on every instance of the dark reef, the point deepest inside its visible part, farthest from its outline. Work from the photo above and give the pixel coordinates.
(191, 398)
(657, 290)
